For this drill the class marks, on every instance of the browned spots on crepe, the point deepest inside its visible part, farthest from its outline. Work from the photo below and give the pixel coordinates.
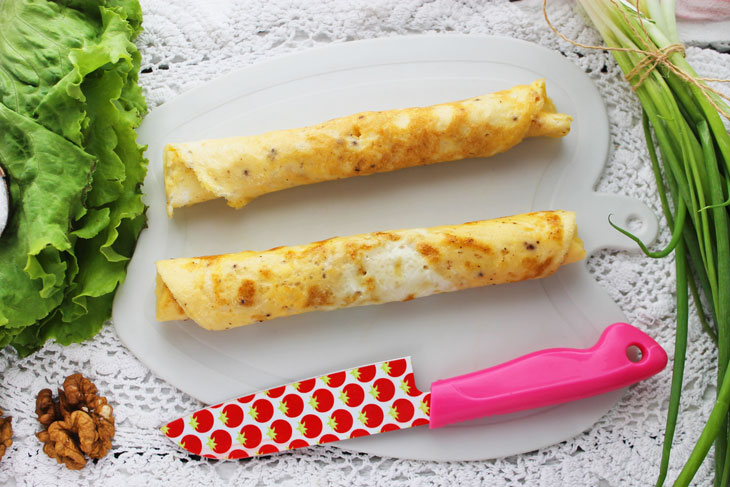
(247, 293)
(390, 236)
(556, 226)
(469, 243)
(317, 296)
(354, 249)
(352, 298)
(209, 258)
(206, 260)
(219, 290)
(320, 243)
(428, 251)
(370, 285)
(391, 147)
(535, 268)
(398, 267)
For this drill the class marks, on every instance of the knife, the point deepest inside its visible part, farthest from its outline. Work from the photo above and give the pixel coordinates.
(382, 397)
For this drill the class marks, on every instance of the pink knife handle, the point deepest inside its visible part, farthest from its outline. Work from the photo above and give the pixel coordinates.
(547, 377)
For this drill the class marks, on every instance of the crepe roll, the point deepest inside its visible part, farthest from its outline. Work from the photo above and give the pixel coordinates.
(240, 169)
(225, 291)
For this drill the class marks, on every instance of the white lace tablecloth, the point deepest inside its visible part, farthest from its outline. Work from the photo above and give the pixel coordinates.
(189, 42)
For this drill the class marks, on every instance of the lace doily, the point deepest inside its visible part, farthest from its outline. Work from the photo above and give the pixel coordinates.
(186, 43)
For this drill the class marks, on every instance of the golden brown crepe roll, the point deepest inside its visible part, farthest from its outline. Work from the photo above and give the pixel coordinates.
(240, 169)
(224, 291)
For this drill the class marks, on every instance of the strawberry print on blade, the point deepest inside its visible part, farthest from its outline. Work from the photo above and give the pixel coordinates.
(361, 401)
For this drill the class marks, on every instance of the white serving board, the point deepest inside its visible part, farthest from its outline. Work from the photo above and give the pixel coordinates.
(446, 335)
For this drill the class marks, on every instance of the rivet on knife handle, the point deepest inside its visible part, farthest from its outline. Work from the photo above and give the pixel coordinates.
(548, 377)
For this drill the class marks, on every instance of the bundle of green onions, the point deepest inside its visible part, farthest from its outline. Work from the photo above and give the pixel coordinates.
(685, 116)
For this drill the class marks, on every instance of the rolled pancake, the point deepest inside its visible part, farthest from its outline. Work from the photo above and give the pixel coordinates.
(240, 169)
(224, 291)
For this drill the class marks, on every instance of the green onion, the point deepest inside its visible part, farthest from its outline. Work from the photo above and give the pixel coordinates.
(685, 117)
(680, 343)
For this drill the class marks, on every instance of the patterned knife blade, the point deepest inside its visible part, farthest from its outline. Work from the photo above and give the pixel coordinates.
(355, 402)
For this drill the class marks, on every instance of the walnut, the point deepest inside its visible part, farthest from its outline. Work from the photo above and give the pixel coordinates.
(60, 442)
(95, 434)
(79, 390)
(63, 406)
(46, 408)
(79, 422)
(6, 433)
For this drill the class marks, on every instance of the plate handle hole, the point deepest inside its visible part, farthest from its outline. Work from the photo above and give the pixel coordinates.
(634, 223)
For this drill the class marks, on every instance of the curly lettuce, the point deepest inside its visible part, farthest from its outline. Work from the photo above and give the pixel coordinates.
(69, 105)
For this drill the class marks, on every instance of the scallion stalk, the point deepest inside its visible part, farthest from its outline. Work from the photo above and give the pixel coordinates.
(692, 178)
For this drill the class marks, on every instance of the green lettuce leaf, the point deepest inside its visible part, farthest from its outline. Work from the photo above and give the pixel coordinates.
(48, 176)
(73, 70)
(36, 40)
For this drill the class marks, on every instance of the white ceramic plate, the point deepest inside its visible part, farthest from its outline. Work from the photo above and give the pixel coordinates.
(446, 335)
